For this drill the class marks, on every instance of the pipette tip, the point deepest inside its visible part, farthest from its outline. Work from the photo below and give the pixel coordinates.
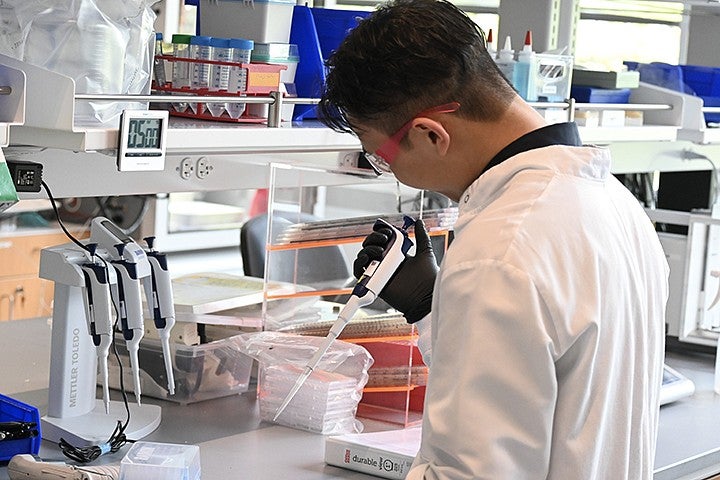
(298, 383)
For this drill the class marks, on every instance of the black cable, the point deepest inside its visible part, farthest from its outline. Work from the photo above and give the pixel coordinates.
(103, 204)
(117, 439)
(60, 222)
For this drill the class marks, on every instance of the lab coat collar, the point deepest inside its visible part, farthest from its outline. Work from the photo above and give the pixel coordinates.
(565, 133)
(582, 162)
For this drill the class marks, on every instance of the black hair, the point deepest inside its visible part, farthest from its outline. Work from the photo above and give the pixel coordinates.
(408, 56)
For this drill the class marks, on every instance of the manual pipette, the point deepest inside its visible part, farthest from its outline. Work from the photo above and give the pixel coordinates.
(131, 264)
(366, 290)
(97, 300)
(131, 316)
(158, 291)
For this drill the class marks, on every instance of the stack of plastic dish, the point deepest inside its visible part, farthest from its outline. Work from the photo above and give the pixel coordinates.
(328, 399)
(326, 403)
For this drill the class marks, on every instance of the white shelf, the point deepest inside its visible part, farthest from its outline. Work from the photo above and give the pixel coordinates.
(200, 136)
(4, 134)
(602, 135)
(12, 101)
(702, 136)
(48, 120)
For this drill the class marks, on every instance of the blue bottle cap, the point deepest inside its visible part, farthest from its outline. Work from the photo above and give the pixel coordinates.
(242, 44)
(220, 42)
(200, 40)
(158, 36)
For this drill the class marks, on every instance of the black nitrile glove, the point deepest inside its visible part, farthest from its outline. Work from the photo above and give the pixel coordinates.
(410, 289)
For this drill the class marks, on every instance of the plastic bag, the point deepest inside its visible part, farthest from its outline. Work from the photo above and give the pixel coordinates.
(328, 400)
(105, 46)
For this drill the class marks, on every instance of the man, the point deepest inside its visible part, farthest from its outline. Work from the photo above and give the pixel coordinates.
(547, 313)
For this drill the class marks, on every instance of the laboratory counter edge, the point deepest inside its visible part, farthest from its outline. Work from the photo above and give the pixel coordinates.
(235, 443)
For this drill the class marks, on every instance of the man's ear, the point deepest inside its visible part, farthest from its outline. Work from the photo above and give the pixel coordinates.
(431, 134)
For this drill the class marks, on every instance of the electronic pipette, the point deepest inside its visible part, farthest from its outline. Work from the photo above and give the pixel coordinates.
(366, 290)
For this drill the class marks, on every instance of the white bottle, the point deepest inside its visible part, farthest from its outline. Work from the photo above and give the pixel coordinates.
(506, 61)
(526, 71)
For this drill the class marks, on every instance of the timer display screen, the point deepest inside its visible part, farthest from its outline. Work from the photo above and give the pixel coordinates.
(144, 133)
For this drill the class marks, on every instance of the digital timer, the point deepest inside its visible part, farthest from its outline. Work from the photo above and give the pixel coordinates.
(142, 138)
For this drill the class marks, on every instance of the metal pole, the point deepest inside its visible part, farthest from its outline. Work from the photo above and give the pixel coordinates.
(275, 110)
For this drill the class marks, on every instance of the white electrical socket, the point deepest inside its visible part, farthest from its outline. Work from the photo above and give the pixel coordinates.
(203, 167)
(186, 168)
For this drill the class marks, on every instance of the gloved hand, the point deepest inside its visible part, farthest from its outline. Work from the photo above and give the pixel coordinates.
(410, 289)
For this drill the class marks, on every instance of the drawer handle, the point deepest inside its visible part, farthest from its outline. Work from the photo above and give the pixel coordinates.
(11, 298)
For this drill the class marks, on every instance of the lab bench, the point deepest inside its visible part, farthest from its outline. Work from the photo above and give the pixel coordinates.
(235, 443)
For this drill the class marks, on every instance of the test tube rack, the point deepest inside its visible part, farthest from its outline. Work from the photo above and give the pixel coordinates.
(262, 79)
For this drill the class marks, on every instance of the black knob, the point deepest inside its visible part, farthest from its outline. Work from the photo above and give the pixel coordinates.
(92, 247)
(150, 242)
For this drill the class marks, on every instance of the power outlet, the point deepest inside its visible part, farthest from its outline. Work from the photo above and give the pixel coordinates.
(186, 168)
(203, 167)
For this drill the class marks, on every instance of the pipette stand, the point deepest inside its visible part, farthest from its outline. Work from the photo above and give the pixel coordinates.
(74, 413)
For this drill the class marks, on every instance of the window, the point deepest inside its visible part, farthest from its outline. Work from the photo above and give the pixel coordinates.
(612, 31)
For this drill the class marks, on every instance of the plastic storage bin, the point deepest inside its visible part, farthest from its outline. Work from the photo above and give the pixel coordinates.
(705, 82)
(259, 20)
(600, 95)
(333, 26)
(554, 75)
(12, 410)
(279, 54)
(161, 461)
(317, 32)
(690, 79)
(202, 372)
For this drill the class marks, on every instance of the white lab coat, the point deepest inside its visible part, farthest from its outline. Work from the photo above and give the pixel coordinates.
(547, 328)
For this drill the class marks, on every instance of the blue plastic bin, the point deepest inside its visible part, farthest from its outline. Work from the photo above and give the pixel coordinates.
(12, 410)
(317, 32)
(703, 82)
(584, 94)
(333, 26)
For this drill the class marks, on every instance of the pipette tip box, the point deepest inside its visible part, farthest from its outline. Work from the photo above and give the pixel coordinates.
(161, 461)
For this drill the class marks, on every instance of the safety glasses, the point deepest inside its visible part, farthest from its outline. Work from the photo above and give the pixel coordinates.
(385, 154)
